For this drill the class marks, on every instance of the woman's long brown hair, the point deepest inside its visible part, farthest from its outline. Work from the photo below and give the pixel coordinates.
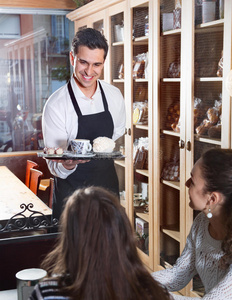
(96, 252)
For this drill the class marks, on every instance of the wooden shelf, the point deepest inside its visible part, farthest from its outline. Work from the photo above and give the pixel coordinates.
(170, 132)
(213, 26)
(209, 79)
(171, 79)
(207, 140)
(118, 44)
(143, 256)
(143, 216)
(141, 80)
(118, 80)
(173, 184)
(142, 172)
(142, 40)
(120, 163)
(143, 127)
(172, 233)
(171, 32)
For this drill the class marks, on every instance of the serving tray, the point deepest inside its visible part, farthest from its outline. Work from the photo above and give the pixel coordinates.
(89, 156)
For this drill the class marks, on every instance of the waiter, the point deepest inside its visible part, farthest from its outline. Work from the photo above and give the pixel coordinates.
(85, 108)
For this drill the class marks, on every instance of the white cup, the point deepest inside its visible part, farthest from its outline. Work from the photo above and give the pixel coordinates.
(26, 280)
(81, 146)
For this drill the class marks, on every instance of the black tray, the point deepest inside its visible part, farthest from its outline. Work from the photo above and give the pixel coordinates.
(90, 156)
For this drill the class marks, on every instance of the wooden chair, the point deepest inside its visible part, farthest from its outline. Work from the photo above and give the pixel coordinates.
(30, 165)
(51, 193)
(47, 185)
(35, 180)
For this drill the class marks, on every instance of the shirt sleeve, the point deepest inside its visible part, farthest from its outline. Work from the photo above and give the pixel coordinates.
(222, 291)
(55, 134)
(177, 277)
(120, 120)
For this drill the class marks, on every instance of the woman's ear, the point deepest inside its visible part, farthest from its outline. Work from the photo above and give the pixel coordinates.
(215, 198)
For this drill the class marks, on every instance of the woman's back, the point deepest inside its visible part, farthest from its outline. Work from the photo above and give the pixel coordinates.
(96, 253)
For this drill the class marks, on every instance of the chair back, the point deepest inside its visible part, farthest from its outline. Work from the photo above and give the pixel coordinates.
(51, 193)
(34, 180)
(30, 165)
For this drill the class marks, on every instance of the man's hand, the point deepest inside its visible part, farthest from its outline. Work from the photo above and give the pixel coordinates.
(70, 164)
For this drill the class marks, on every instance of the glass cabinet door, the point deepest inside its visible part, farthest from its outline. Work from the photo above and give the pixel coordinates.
(116, 78)
(211, 111)
(141, 107)
(171, 208)
(208, 76)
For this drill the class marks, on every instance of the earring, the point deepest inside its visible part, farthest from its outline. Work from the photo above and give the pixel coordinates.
(209, 214)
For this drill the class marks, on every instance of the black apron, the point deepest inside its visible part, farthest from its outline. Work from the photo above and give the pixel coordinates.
(95, 172)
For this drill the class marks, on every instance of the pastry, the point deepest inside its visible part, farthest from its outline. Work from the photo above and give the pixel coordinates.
(103, 144)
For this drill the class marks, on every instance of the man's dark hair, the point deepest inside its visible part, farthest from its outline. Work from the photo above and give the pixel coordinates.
(91, 38)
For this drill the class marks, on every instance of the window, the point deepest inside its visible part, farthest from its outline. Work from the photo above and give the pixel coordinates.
(9, 26)
(34, 58)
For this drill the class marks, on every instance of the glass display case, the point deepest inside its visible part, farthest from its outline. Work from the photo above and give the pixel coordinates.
(141, 138)
(117, 78)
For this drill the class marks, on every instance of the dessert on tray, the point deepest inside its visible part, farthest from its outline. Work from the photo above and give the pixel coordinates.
(103, 148)
(103, 144)
(53, 151)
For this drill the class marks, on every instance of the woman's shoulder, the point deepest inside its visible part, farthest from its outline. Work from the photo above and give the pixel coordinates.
(48, 288)
(200, 222)
(201, 217)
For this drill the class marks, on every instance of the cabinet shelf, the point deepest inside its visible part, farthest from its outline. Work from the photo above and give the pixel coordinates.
(118, 80)
(173, 184)
(143, 216)
(120, 163)
(117, 44)
(208, 140)
(170, 132)
(142, 40)
(143, 256)
(209, 79)
(171, 79)
(143, 127)
(210, 27)
(166, 266)
(142, 172)
(141, 80)
(175, 234)
(171, 32)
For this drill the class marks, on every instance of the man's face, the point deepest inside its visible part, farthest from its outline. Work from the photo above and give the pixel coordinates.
(88, 65)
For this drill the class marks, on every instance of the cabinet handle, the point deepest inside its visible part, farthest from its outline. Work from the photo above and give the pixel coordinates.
(188, 145)
(125, 130)
(181, 144)
(129, 131)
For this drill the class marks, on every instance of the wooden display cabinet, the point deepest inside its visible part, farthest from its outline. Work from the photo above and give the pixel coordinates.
(182, 67)
(187, 64)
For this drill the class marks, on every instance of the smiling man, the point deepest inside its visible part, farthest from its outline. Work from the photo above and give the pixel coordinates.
(85, 108)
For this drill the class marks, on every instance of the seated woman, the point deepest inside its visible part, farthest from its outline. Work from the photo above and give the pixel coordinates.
(96, 256)
(208, 251)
